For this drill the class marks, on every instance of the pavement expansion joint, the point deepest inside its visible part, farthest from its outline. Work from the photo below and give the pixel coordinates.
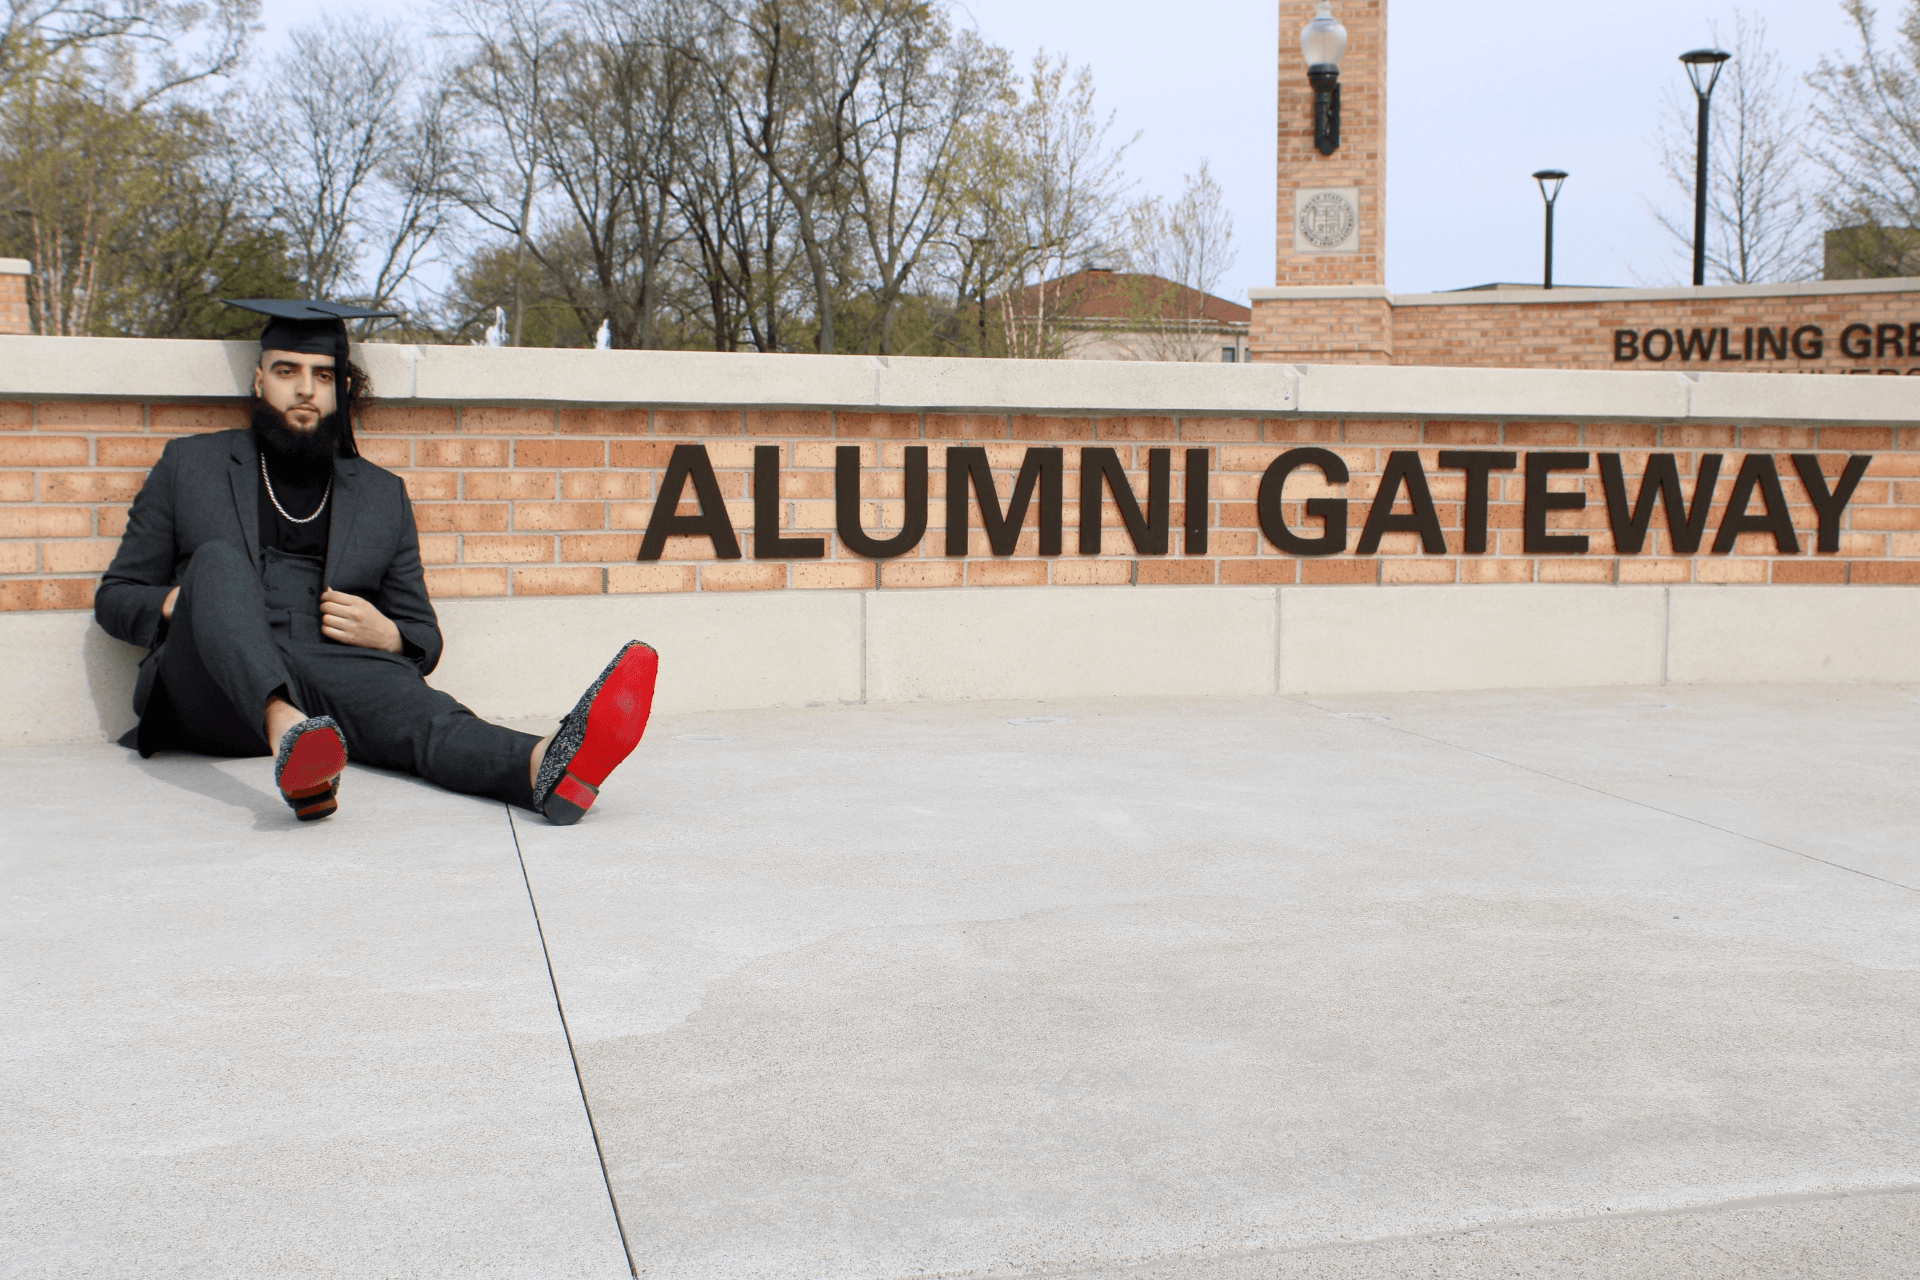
(559, 1005)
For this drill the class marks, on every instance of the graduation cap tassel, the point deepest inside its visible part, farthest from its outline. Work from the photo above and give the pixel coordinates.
(343, 379)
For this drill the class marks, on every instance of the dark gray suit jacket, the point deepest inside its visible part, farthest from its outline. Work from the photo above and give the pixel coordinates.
(206, 489)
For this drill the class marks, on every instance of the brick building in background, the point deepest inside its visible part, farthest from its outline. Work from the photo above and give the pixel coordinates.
(1330, 302)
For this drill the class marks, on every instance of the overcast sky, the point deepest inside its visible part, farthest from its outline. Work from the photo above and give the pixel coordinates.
(1479, 96)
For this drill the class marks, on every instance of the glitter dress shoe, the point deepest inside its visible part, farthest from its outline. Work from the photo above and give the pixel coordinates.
(307, 770)
(600, 731)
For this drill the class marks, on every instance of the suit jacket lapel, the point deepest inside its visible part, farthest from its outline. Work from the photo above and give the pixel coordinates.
(346, 505)
(243, 471)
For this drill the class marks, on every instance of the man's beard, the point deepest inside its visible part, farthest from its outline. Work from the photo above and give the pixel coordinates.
(271, 429)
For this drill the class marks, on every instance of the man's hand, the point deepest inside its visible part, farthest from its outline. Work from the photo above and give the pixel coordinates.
(351, 620)
(166, 606)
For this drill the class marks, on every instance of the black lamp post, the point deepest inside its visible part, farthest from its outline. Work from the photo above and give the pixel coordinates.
(1703, 68)
(1323, 42)
(1550, 181)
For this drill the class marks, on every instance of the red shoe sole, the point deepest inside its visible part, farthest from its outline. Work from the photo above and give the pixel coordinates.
(615, 723)
(317, 758)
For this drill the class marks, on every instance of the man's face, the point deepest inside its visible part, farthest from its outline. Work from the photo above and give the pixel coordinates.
(298, 385)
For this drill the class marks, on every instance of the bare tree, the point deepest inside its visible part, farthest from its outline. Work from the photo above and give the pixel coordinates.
(1180, 251)
(355, 158)
(168, 45)
(1059, 208)
(505, 84)
(1869, 112)
(1759, 218)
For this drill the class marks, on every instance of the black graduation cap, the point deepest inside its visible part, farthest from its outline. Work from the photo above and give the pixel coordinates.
(314, 329)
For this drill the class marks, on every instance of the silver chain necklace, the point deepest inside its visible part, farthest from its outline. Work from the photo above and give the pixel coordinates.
(268, 480)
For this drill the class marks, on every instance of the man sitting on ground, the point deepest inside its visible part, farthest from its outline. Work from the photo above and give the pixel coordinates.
(274, 577)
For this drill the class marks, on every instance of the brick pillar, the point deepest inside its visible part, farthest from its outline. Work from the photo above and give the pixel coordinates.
(13, 295)
(1320, 195)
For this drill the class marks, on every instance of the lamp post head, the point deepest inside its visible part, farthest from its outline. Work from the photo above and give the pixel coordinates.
(1323, 41)
(1703, 68)
(1550, 181)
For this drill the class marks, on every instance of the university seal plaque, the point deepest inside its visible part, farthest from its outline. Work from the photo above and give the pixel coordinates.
(1326, 220)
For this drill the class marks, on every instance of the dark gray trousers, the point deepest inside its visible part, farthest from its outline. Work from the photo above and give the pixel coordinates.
(240, 636)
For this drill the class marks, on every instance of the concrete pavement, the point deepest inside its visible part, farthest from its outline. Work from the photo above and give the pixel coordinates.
(1589, 983)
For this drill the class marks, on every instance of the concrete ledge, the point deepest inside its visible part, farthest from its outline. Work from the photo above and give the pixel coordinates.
(15, 267)
(529, 657)
(156, 370)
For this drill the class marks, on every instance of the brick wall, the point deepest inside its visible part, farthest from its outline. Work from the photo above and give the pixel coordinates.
(543, 502)
(1581, 335)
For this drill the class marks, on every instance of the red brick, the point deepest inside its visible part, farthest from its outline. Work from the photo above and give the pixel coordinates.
(439, 548)
(386, 419)
(559, 582)
(788, 422)
(90, 486)
(507, 485)
(1079, 572)
(697, 422)
(1266, 570)
(1885, 572)
(1454, 435)
(628, 578)
(1370, 432)
(921, 573)
(44, 451)
(761, 575)
(559, 453)
(1856, 439)
(58, 415)
(1594, 569)
(1491, 569)
(599, 546)
(1541, 434)
(466, 582)
(510, 548)
(605, 485)
(963, 427)
(47, 593)
(559, 515)
(1809, 571)
(1134, 428)
(180, 419)
(1033, 427)
(652, 454)
(1339, 569)
(382, 452)
(426, 486)
(127, 451)
(15, 416)
(603, 422)
(1160, 573)
(460, 453)
(46, 522)
(90, 555)
(1006, 573)
(1221, 430)
(16, 486)
(515, 422)
(19, 555)
(460, 517)
(1422, 569)
(833, 575)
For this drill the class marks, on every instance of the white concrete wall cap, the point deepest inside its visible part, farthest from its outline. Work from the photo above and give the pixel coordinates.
(1537, 297)
(15, 267)
(35, 368)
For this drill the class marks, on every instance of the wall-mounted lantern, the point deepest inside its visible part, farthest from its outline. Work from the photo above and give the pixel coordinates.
(1323, 42)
